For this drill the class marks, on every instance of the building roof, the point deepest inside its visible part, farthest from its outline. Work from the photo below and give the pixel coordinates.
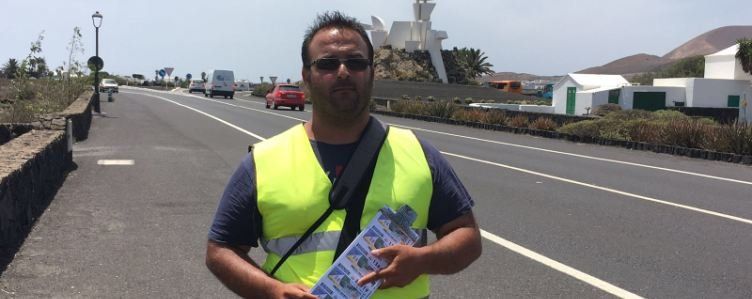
(730, 51)
(592, 81)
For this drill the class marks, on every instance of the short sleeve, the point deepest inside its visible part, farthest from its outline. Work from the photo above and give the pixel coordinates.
(450, 198)
(237, 220)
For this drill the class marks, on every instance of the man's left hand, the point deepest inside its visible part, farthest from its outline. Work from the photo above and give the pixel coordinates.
(405, 264)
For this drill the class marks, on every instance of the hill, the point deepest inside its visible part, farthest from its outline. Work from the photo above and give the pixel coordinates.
(704, 44)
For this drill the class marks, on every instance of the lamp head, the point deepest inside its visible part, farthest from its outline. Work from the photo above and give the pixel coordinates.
(96, 19)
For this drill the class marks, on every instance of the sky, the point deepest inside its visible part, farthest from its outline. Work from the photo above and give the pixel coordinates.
(263, 38)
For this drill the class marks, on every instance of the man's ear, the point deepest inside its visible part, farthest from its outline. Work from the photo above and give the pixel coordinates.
(306, 74)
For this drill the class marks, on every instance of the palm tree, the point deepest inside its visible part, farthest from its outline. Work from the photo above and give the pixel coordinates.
(744, 54)
(10, 68)
(474, 62)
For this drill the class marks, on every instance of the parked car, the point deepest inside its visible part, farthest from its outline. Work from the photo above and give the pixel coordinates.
(220, 82)
(287, 95)
(108, 84)
(242, 86)
(196, 85)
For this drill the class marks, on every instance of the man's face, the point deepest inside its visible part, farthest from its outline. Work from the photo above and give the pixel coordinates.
(340, 95)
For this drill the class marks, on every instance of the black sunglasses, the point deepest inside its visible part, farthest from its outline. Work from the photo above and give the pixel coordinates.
(330, 64)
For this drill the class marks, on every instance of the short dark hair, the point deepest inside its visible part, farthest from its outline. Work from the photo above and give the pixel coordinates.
(333, 19)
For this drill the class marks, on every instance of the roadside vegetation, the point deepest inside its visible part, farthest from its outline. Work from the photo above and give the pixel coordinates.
(29, 89)
(664, 127)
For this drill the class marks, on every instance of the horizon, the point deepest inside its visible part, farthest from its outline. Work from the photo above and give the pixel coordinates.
(192, 37)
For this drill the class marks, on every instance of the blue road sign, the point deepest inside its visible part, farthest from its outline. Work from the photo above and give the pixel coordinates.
(162, 73)
(188, 76)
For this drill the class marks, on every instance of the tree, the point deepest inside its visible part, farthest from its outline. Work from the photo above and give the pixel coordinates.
(74, 46)
(744, 54)
(474, 62)
(35, 65)
(10, 69)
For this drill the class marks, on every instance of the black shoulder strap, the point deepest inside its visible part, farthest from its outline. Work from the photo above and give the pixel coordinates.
(349, 189)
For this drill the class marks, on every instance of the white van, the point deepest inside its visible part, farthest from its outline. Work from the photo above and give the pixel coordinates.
(221, 83)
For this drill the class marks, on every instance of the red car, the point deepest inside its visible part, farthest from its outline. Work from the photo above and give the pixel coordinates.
(286, 95)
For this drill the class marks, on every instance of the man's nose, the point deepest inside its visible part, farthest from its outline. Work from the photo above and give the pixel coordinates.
(343, 72)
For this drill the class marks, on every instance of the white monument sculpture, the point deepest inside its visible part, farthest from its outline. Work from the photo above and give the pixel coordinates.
(414, 35)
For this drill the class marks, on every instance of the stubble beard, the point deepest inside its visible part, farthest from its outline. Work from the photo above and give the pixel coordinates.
(341, 112)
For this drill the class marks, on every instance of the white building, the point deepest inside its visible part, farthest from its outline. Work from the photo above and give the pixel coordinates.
(724, 65)
(725, 85)
(577, 94)
(412, 35)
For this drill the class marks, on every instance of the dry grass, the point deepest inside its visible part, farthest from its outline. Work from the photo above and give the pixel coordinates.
(23, 100)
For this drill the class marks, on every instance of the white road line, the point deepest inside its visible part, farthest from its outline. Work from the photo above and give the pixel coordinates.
(605, 286)
(582, 156)
(207, 115)
(668, 203)
(577, 274)
(650, 199)
(116, 162)
(528, 147)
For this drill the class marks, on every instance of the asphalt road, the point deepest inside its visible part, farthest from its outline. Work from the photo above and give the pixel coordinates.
(559, 219)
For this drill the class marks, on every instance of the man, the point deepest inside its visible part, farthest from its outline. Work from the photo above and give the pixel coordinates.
(281, 188)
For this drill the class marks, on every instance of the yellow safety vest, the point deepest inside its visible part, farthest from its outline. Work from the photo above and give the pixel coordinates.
(293, 191)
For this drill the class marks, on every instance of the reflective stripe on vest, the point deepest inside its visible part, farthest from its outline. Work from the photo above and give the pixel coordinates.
(293, 190)
(316, 242)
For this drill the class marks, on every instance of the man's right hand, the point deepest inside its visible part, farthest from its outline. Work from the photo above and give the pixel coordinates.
(290, 291)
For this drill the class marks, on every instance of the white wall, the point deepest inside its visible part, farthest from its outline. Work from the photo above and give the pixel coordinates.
(713, 93)
(584, 99)
(559, 100)
(537, 108)
(599, 98)
(745, 111)
(679, 82)
(720, 67)
(672, 94)
(739, 73)
(513, 107)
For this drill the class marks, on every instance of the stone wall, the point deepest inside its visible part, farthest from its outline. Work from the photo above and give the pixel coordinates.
(80, 113)
(33, 165)
(10, 131)
(32, 168)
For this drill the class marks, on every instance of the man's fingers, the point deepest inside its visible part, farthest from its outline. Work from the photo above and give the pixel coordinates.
(386, 252)
(368, 278)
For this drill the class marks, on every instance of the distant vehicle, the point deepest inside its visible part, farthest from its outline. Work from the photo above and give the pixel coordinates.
(514, 86)
(242, 86)
(138, 79)
(286, 95)
(196, 85)
(108, 84)
(220, 82)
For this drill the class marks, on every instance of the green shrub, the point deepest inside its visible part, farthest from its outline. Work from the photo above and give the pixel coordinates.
(733, 138)
(585, 128)
(602, 110)
(543, 123)
(409, 107)
(495, 117)
(642, 130)
(443, 109)
(260, 90)
(519, 121)
(625, 115)
(468, 100)
(457, 101)
(687, 133)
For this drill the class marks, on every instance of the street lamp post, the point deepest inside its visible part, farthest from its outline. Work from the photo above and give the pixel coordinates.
(96, 19)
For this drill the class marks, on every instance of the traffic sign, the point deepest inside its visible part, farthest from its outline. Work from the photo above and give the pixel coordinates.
(162, 73)
(95, 63)
(188, 76)
(169, 70)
